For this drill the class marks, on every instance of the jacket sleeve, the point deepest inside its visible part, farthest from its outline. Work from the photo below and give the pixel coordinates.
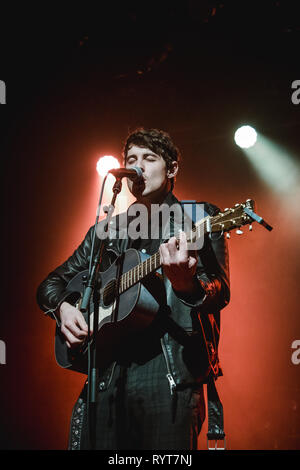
(212, 282)
(52, 291)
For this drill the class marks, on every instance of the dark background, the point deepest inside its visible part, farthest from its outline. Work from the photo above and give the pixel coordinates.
(78, 79)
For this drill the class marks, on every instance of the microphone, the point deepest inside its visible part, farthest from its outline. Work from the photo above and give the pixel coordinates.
(134, 173)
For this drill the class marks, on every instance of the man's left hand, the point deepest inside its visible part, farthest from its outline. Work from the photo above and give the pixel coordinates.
(178, 264)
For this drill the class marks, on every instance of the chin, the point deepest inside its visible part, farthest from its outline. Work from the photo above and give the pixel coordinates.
(147, 192)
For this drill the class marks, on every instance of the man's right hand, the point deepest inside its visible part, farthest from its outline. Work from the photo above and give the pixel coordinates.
(73, 325)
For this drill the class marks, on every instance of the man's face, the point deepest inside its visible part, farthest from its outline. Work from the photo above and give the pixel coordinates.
(155, 180)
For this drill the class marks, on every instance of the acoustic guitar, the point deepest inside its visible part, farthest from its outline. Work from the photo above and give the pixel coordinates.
(129, 293)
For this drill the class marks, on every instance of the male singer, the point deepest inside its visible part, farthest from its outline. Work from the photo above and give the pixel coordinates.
(151, 396)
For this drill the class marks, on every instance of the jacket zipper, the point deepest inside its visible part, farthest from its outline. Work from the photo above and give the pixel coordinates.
(172, 383)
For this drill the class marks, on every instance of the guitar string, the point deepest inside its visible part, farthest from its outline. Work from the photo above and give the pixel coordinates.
(127, 278)
(151, 261)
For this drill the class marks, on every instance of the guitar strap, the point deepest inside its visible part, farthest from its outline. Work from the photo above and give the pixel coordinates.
(215, 414)
(215, 430)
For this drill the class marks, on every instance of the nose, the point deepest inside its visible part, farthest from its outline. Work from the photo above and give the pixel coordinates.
(140, 163)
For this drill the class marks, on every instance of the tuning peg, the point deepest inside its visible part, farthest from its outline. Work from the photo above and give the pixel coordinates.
(239, 232)
(226, 209)
(250, 228)
(228, 235)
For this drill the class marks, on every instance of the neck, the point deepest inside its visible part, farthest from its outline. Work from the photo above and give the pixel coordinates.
(157, 198)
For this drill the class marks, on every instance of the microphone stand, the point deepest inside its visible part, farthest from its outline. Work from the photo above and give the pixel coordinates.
(93, 286)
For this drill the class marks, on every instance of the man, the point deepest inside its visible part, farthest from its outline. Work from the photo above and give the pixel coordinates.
(151, 396)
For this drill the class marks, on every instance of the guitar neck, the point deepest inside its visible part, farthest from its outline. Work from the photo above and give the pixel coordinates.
(225, 221)
(151, 264)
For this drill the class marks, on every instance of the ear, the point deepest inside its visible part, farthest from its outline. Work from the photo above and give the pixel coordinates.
(173, 170)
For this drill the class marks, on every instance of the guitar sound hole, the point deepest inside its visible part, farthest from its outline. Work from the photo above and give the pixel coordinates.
(109, 293)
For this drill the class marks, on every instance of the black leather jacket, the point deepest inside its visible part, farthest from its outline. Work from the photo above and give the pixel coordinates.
(187, 322)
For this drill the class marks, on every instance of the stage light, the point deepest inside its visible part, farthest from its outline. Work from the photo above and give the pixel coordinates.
(245, 137)
(275, 165)
(105, 164)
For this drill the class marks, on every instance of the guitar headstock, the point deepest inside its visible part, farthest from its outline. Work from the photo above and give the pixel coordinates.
(232, 218)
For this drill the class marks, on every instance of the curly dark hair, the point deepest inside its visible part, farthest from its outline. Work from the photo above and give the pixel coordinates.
(156, 140)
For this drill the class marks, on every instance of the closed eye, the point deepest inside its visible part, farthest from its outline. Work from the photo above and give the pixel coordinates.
(131, 159)
(147, 156)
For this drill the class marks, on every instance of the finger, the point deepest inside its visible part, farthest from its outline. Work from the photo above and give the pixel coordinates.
(164, 254)
(173, 247)
(70, 338)
(81, 322)
(192, 257)
(192, 262)
(183, 251)
(72, 327)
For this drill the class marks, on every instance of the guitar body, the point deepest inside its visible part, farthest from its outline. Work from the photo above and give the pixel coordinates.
(119, 316)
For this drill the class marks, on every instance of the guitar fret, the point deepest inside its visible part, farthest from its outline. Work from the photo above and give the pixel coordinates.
(152, 263)
(226, 221)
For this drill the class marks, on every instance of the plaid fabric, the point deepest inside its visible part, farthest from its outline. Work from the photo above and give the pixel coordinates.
(138, 412)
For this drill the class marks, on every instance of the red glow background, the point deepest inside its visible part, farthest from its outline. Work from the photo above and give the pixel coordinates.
(76, 103)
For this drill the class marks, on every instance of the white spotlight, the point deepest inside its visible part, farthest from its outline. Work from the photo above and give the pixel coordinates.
(245, 137)
(106, 163)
